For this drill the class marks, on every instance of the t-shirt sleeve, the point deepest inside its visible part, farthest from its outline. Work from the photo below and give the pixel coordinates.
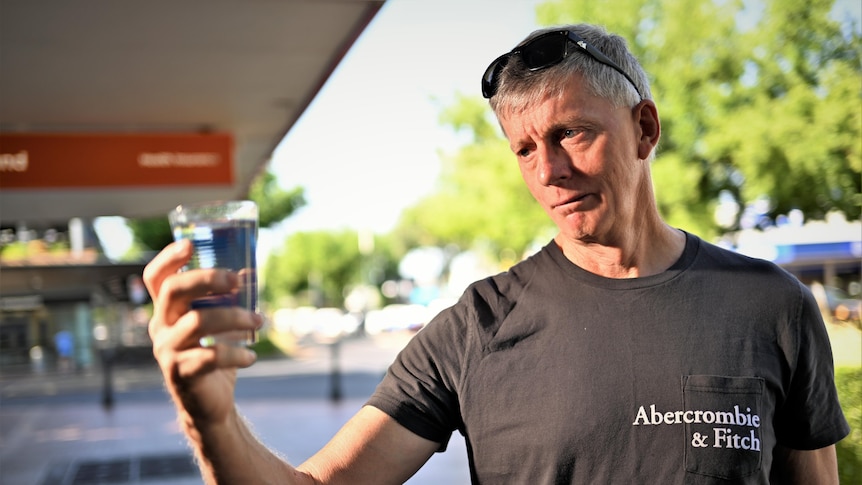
(419, 389)
(811, 415)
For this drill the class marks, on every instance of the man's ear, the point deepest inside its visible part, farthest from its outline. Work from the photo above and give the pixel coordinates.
(645, 116)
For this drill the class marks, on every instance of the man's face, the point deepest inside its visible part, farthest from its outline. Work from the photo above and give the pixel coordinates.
(578, 155)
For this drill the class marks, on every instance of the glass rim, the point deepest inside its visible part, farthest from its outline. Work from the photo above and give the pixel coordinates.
(231, 210)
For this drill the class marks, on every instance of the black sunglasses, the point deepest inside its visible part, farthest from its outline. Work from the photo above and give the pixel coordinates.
(545, 51)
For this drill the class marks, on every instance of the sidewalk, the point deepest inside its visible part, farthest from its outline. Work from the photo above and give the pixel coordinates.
(44, 445)
(357, 355)
(53, 429)
(21, 384)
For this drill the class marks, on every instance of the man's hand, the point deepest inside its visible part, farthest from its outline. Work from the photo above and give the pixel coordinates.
(200, 379)
(372, 448)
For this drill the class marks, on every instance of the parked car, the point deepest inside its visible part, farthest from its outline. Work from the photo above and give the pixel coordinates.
(842, 306)
(396, 317)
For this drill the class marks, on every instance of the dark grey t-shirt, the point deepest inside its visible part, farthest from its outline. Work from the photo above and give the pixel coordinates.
(557, 375)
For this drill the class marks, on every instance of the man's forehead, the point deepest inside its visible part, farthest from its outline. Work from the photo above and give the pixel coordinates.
(552, 111)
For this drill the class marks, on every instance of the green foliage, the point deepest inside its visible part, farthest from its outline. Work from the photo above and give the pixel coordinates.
(470, 115)
(150, 234)
(20, 250)
(314, 267)
(849, 383)
(755, 103)
(14, 251)
(481, 196)
(266, 348)
(274, 204)
(319, 268)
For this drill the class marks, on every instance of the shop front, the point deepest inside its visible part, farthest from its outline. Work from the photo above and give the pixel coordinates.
(59, 315)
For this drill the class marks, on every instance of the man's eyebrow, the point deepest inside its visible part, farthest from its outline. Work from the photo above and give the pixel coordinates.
(579, 120)
(575, 121)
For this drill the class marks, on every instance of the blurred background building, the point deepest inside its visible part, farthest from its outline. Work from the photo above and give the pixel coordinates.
(127, 109)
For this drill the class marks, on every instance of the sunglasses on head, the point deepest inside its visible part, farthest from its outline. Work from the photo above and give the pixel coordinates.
(545, 51)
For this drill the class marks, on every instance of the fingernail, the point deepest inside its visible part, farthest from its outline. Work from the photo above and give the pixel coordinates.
(231, 278)
(258, 319)
(183, 246)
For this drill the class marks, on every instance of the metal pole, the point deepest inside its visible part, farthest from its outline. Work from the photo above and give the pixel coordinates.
(108, 382)
(335, 376)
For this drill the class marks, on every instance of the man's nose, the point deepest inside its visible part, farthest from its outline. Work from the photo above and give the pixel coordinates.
(553, 166)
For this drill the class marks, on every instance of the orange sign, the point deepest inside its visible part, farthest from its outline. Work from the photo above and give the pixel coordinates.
(31, 160)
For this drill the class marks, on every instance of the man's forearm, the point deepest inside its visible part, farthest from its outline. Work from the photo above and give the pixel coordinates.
(230, 453)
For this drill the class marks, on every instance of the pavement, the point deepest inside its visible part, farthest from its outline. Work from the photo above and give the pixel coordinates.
(56, 430)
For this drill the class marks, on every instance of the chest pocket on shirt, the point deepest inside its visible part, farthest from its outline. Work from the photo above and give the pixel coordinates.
(723, 426)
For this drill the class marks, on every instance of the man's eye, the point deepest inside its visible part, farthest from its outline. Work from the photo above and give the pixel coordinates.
(569, 133)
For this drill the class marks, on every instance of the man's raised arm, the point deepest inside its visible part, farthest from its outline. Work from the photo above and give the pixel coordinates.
(370, 448)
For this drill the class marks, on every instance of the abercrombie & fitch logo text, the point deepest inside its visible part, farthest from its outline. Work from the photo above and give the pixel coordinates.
(721, 436)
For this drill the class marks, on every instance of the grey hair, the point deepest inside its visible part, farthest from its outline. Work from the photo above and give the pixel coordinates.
(520, 88)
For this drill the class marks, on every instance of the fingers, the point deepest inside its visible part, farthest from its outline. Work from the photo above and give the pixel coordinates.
(179, 353)
(176, 330)
(177, 291)
(200, 361)
(170, 260)
(190, 328)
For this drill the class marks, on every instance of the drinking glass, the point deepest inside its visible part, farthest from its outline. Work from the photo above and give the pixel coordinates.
(224, 235)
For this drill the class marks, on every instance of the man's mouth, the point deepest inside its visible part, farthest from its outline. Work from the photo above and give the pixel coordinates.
(571, 200)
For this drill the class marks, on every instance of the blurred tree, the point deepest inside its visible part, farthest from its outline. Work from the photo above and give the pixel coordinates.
(317, 268)
(314, 267)
(274, 205)
(149, 234)
(481, 197)
(757, 99)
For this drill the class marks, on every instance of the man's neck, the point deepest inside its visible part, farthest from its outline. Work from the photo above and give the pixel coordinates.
(637, 254)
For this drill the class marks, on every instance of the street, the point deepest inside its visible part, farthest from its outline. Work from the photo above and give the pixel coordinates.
(54, 429)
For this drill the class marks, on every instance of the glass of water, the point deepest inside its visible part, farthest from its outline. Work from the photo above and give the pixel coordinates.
(224, 235)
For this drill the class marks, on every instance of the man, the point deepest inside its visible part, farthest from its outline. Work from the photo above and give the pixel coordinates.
(624, 351)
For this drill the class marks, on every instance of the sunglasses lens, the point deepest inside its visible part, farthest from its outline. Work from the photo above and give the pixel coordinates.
(544, 51)
(492, 74)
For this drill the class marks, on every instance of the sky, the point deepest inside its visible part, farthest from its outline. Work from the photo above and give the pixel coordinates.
(369, 144)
